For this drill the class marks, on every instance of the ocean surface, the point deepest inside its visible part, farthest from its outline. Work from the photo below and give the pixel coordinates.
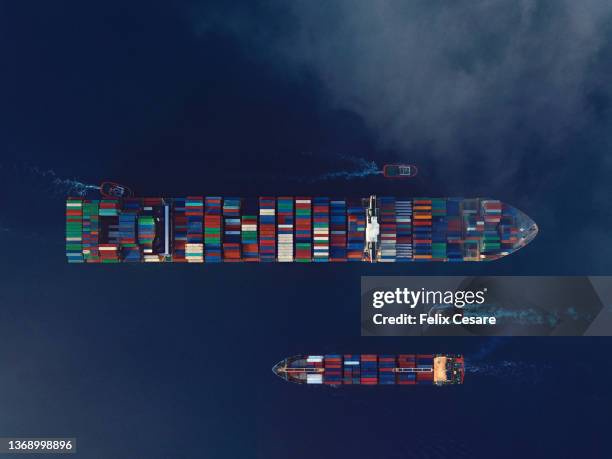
(175, 361)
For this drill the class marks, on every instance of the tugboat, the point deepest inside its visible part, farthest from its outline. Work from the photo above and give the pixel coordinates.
(399, 170)
(112, 190)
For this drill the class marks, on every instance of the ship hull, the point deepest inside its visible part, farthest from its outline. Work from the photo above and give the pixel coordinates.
(199, 229)
(372, 369)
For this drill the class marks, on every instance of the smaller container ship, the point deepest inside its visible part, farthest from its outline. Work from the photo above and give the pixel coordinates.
(372, 369)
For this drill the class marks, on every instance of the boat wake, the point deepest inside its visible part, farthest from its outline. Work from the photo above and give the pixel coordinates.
(48, 180)
(31, 182)
(356, 168)
(523, 372)
(527, 316)
(489, 347)
(483, 363)
(64, 186)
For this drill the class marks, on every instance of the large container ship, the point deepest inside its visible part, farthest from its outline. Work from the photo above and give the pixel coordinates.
(372, 369)
(199, 229)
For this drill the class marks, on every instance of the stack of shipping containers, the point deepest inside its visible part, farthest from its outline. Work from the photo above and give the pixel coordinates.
(321, 229)
(388, 230)
(439, 229)
(406, 361)
(472, 227)
(194, 249)
(212, 229)
(403, 218)
(130, 250)
(369, 369)
(146, 235)
(285, 229)
(424, 369)
(250, 246)
(147, 229)
(303, 229)
(386, 365)
(422, 229)
(180, 231)
(313, 361)
(74, 230)
(333, 369)
(454, 235)
(267, 229)
(356, 230)
(91, 221)
(338, 231)
(231, 226)
(491, 211)
(109, 253)
(109, 214)
(352, 374)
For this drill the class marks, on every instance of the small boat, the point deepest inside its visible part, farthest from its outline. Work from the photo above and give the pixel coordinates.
(399, 170)
(111, 190)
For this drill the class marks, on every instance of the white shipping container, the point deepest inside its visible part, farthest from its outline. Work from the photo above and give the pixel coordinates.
(314, 378)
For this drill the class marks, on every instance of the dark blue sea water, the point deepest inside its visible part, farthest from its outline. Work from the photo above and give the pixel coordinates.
(195, 98)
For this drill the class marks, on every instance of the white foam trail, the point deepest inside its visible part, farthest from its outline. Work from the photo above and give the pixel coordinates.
(524, 372)
(363, 168)
(65, 186)
(483, 363)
